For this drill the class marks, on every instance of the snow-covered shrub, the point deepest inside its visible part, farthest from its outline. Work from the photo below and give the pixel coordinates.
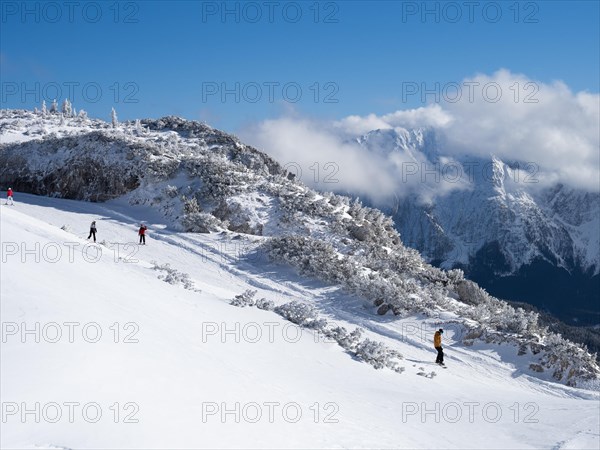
(302, 314)
(569, 363)
(244, 299)
(305, 315)
(469, 292)
(404, 284)
(190, 205)
(174, 276)
(311, 257)
(422, 373)
(378, 355)
(516, 320)
(201, 222)
(238, 216)
(171, 191)
(455, 276)
(348, 341)
(265, 304)
(247, 299)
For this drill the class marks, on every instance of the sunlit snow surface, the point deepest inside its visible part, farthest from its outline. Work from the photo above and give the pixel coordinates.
(188, 370)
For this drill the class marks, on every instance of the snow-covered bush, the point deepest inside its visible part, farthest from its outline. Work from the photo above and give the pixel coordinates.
(348, 341)
(569, 363)
(171, 191)
(469, 292)
(422, 373)
(244, 299)
(302, 314)
(378, 355)
(201, 222)
(247, 299)
(265, 304)
(305, 315)
(190, 205)
(426, 291)
(174, 276)
(311, 257)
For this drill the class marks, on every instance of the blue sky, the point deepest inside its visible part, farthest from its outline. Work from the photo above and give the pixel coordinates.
(170, 57)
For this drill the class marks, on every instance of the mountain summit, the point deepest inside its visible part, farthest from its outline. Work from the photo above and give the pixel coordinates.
(520, 239)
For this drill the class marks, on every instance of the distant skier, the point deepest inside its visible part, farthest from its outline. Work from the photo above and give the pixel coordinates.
(142, 233)
(93, 230)
(437, 343)
(9, 197)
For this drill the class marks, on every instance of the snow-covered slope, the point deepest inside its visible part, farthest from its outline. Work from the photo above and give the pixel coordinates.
(190, 177)
(492, 218)
(185, 360)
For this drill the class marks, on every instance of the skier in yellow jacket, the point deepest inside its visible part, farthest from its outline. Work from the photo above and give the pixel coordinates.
(437, 343)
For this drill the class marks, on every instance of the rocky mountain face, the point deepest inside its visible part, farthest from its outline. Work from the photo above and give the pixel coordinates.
(520, 241)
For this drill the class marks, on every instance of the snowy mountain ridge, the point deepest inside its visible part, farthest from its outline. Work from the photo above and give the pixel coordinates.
(202, 180)
(552, 222)
(495, 219)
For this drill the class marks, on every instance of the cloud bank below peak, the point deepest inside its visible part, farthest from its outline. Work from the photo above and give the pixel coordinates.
(507, 115)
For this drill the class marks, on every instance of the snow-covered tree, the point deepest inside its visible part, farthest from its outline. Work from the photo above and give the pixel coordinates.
(114, 119)
(66, 108)
(54, 107)
(44, 109)
(82, 114)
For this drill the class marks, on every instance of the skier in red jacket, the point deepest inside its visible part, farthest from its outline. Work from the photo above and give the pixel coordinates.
(142, 233)
(9, 196)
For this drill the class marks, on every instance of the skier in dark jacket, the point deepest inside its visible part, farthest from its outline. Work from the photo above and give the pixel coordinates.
(93, 230)
(437, 343)
(142, 233)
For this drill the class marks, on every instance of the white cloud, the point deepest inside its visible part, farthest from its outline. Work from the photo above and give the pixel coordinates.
(321, 157)
(505, 114)
(546, 125)
(428, 116)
